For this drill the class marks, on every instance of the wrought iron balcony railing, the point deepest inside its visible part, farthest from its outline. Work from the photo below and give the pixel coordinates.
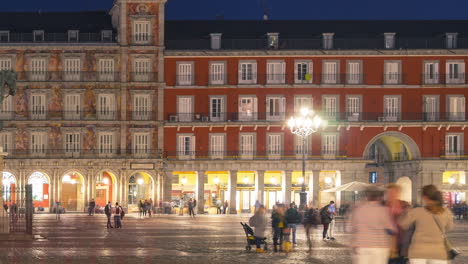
(67, 76)
(58, 38)
(142, 77)
(42, 115)
(76, 153)
(142, 39)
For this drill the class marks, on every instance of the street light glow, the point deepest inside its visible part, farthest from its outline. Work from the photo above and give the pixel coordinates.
(184, 180)
(216, 180)
(140, 181)
(451, 180)
(246, 180)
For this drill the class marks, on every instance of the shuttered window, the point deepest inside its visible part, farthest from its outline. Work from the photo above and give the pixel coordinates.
(106, 70)
(330, 72)
(72, 106)
(106, 143)
(141, 70)
(106, 107)
(247, 146)
(247, 73)
(72, 143)
(184, 74)
(276, 108)
(38, 69)
(141, 107)
(141, 144)
(276, 72)
(72, 69)
(248, 108)
(329, 144)
(38, 106)
(6, 142)
(217, 73)
(5, 64)
(38, 143)
(141, 31)
(217, 143)
(274, 145)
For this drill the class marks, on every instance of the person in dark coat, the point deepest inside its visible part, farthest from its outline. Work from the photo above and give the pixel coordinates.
(326, 218)
(278, 223)
(191, 206)
(293, 218)
(225, 206)
(92, 206)
(108, 212)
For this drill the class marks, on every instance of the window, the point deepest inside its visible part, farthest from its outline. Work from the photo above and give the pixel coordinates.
(72, 69)
(453, 144)
(247, 72)
(373, 177)
(392, 72)
(455, 71)
(142, 70)
(215, 40)
(141, 143)
(141, 31)
(273, 40)
(431, 108)
(38, 106)
(184, 74)
(247, 145)
(72, 107)
(353, 107)
(456, 108)
(217, 73)
(299, 145)
(106, 107)
(73, 35)
(38, 143)
(389, 40)
(106, 70)
(38, 35)
(72, 144)
(5, 64)
(329, 144)
(106, 143)
(141, 107)
(276, 72)
(391, 108)
(275, 108)
(6, 109)
(303, 72)
(38, 181)
(6, 141)
(330, 107)
(274, 145)
(217, 142)
(330, 72)
(247, 108)
(451, 40)
(431, 72)
(4, 36)
(217, 107)
(186, 146)
(185, 108)
(304, 101)
(38, 69)
(328, 41)
(354, 75)
(106, 35)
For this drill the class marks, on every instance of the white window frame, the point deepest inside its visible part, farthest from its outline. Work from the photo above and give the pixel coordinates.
(302, 75)
(244, 113)
(453, 148)
(72, 106)
(431, 72)
(182, 152)
(6, 108)
(303, 101)
(106, 35)
(108, 146)
(38, 140)
(330, 112)
(455, 72)
(215, 41)
(142, 69)
(328, 39)
(392, 72)
(274, 145)
(6, 141)
(451, 40)
(106, 106)
(392, 112)
(185, 73)
(141, 143)
(247, 145)
(72, 69)
(187, 114)
(354, 72)
(38, 106)
(141, 31)
(72, 144)
(217, 72)
(247, 76)
(298, 145)
(389, 40)
(6, 63)
(431, 106)
(456, 110)
(353, 107)
(220, 113)
(38, 35)
(273, 114)
(142, 106)
(73, 35)
(330, 144)
(38, 69)
(276, 72)
(217, 145)
(331, 72)
(106, 70)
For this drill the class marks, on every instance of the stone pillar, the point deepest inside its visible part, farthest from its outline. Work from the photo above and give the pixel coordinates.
(232, 190)
(260, 186)
(286, 186)
(4, 223)
(315, 187)
(167, 186)
(200, 191)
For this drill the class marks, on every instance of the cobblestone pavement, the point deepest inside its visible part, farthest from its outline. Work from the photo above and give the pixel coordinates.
(169, 239)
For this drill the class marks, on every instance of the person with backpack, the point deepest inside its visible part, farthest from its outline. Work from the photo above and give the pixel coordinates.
(326, 218)
(108, 212)
(293, 218)
(278, 224)
(118, 216)
(311, 219)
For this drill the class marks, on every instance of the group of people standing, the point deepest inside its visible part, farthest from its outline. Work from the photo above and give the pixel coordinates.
(145, 207)
(118, 212)
(221, 207)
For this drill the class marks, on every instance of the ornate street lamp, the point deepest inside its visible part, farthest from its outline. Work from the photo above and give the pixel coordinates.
(304, 125)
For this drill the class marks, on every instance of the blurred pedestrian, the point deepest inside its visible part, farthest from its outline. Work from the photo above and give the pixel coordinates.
(259, 221)
(326, 218)
(118, 216)
(278, 223)
(149, 206)
(430, 224)
(219, 204)
(191, 206)
(182, 205)
(371, 227)
(108, 212)
(92, 205)
(293, 218)
(311, 219)
(225, 206)
(257, 205)
(331, 226)
(143, 207)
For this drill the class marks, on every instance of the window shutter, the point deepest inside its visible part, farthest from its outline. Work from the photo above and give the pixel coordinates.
(296, 71)
(283, 107)
(283, 72)
(192, 145)
(255, 108)
(254, 72)
(239, 77)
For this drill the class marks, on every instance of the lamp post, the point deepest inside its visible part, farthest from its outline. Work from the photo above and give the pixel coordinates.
(304, 125)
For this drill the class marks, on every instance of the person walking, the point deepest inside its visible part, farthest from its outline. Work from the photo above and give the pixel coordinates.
(150, 207)
(117, 216)
(108, 212)
(225, 206)
(326, 218)
(191, 206)
(259, 221)
(371, 228)
(278, 223)
(182, 205)
(92, 206)
(219, 204)
(293, 218)
(430, 224)
(331, 226)
(311, 219)
(143, 207)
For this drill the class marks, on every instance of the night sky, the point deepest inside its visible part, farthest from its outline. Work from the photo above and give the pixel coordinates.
(278, 9)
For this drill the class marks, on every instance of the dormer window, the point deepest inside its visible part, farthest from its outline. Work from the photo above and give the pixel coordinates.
(451, 40)
(106, 35)
(273, 40)
(328, 40)
(4, 36)
(215, 41)
(141, 32)
(73, 35)
(38, 35)
(389, 39)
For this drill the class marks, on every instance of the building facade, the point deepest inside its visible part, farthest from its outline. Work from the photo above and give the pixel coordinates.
(123, 106)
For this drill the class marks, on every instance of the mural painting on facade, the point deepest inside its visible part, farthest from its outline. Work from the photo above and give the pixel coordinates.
(89, 139)
(89, 103)
(21, 106)
(21, 139)
(55, 106)
(55, 137)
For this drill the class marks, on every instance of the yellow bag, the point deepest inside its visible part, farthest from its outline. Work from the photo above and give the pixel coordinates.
(281, 224)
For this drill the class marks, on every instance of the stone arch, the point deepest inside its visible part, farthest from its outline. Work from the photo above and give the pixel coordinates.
(409, 143)
(139, 190)
(31, 172)
(40, 190)
(106, 189)
(406, 186)
(67, 171)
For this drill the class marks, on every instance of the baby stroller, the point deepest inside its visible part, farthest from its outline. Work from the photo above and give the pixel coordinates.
(251, 240)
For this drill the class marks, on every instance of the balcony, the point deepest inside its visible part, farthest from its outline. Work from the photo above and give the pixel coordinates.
(58, 38)
(142, 77)
(394, 78)
(71, 76)
(74, 115)
(84, 154)
(142, 39)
